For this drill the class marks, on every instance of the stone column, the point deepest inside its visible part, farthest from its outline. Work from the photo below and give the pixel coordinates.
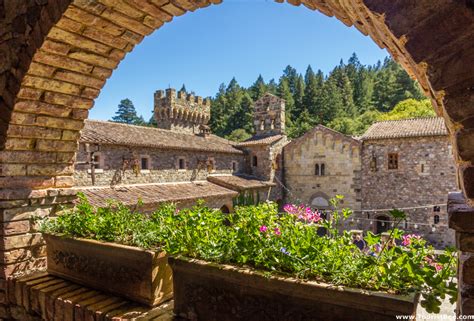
(461, 219)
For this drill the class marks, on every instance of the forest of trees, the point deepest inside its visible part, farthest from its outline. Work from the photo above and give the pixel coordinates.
(349, 99)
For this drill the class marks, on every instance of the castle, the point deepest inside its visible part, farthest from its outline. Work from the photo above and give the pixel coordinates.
(395, 164)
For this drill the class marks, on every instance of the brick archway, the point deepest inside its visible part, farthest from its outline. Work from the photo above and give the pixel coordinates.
(55, 56)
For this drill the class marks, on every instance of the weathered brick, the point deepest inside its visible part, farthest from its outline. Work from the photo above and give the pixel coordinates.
(22, 213)
(80, 308)
(20, 241)
(127, 22)
(59, 303)
(62, 62)
(40, 293)
(94, 59)
(59, 122)
(78, 41)
(67, 100)
(70, 303)
(90, 93)
(117, 55)
(64, 181)
(102, 73)
(72, 134)
(12, 228)
(21, 193)
(152, 22)
(29, 93)
(69, 25)
(13, 204)
(66, 158)
(151, 9)
(12, 169)
(33, 132)
(92, 6)
(22, 119)
(22, 268)
(35, 107)
(55, 47)
(25, 157)
(52, 85)
(133, 39)
(93, 21)
(79, 79)
(26, 182)
(124, 8)
(19, 143)
(56, 145)
(173, 9)
(53, 170)
(105, 38)
(37, 69)
(54, 295)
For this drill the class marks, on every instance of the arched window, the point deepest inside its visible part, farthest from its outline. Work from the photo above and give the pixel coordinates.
(254, 161)
(319, 169)
(319, 202)
(436, 219)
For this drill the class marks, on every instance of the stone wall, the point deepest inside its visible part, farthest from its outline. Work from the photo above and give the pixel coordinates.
(163, 166)
(341, 158)
(425, 175)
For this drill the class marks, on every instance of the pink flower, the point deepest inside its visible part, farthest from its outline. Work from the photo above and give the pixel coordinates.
(407, 239)
(263, 228)
(303, 213)
(277, 231)
(438, 267)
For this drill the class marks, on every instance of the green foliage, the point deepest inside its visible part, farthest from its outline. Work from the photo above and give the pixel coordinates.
(410, 108)
(282, 243)
(347, 99)
(127, 114)
(238, 135)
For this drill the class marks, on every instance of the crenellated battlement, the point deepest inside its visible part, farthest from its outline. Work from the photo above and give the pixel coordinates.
(179, 111)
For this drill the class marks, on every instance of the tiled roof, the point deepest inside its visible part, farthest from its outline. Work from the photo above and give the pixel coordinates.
(103, 132)
(239, 183)
(151, 194)
(416, 127)
(259, 140)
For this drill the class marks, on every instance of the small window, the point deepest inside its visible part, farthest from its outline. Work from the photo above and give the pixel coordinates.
(373, 164)
(272, 124)
(262, 125)
(436, 209)
(254, 161)
(320, 169)
(234, 166)
(96, 161)
(436, 219)
(211, 165)
(145, 163)
(422, 168)
(181, 163)
(393, 161)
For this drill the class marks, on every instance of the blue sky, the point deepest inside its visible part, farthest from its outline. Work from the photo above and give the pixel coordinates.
(241, 38)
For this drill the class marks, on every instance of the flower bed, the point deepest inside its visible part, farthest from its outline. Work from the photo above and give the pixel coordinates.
(284, 244)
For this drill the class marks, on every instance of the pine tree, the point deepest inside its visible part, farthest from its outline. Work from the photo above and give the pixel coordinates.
(312, 93)
(298, 97)
(285, 93)
(258, 89)
(126, 113)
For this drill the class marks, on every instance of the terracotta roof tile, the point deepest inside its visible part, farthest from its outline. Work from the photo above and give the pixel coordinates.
(151, 194)
(259, 140)
(239, 183)
(104, 132)
(416, 127)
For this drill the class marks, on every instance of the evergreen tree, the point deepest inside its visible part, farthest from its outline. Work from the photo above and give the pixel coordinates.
(152, 121)
(309, 75)
(126, 113)
(291, 75)
(258, 89)
(285, 93)
(183, 89)
(298, 97)
(312, 93)
(272, 87)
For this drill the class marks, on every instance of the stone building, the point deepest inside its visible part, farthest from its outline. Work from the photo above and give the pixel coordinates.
(408, 164)
(180, 161)
(405, 164)
(321, 164)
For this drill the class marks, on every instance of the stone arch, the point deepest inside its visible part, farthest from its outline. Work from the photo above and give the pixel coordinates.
(56, 55)
(320, 201)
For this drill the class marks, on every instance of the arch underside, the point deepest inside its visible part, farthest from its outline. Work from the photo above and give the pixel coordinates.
(64, 53)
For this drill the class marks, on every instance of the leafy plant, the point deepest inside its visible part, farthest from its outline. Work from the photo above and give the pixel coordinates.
(284, 243)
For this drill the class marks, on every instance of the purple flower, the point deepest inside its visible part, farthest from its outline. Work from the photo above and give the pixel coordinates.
(277, 231)
(263, 228)
(284, 251)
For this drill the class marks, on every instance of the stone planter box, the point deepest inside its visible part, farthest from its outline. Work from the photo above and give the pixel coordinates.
(140, 275)
(213, 292)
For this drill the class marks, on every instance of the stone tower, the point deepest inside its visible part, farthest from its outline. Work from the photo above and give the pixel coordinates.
(269, 116)
(183, 113)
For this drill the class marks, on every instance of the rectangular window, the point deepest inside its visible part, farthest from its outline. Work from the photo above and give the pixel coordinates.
(234, 167)
(254, 161)
(373, 164)
(181, 163)
(96, 161)
(145, 163)
(392, 161)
